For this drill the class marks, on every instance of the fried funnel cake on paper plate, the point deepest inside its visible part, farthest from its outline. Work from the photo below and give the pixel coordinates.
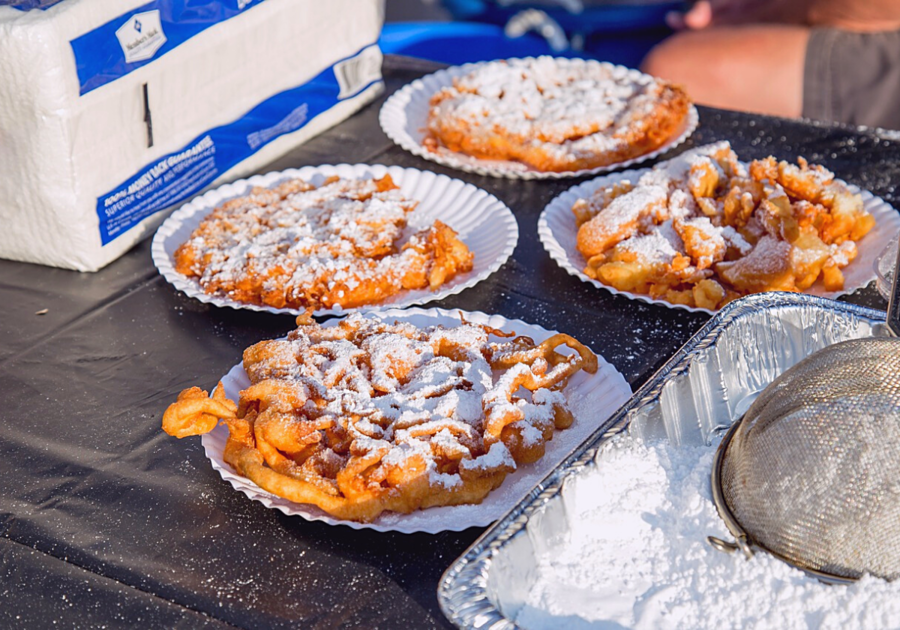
(367, 417)
(555, 114)
(340, 244)
(704, 228)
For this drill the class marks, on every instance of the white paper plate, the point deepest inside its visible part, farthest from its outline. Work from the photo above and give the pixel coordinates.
(404, 118)
(482, 221)
(592, 398)
(558, 233)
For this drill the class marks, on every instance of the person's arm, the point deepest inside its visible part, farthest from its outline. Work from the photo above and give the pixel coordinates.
(717, 12)
(854, 15)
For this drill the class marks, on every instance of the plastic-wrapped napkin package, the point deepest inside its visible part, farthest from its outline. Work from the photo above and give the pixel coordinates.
(112, 111)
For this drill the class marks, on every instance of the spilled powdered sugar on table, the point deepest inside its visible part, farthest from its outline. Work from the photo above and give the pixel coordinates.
(637, 557)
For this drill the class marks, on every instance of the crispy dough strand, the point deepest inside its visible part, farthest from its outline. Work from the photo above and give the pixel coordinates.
(196, 413)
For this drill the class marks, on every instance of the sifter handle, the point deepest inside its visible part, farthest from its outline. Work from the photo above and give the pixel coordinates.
(893, 310)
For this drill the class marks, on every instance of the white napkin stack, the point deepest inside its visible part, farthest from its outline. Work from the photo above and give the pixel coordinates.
(112, 111)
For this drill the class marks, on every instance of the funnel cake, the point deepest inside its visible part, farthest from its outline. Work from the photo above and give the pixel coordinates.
(704, 228)
(367, 417)
(296, 245)
(555, 114)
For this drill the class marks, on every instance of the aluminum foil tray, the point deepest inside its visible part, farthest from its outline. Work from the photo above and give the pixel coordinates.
(702, 390)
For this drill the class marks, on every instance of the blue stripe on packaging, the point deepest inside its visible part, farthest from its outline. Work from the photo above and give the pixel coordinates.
(101, 55)
(29, 5)
(179, 175)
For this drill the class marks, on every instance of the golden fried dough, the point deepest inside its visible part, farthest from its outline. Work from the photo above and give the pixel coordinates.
(555, 114)
(367, 417)
(703, 229)
(341, 244)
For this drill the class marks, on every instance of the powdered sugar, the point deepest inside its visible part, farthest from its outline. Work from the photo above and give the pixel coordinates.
(497, 457)
(734, 239)
(622, 218)
(769, 256)
(842, 254)
(657, 247)
(637, 557)
(541, 98)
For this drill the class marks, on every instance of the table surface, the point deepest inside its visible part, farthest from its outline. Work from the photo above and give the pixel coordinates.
(106, 521)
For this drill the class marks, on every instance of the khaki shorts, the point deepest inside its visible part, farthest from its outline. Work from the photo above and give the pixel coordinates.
(853, 78)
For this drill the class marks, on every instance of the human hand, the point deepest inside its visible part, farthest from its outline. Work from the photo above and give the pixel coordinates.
(697, 17)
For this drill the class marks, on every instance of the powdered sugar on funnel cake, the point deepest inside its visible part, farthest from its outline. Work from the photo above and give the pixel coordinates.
(555, 115)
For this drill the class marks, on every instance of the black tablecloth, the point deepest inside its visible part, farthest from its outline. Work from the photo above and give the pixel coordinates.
(106, 521)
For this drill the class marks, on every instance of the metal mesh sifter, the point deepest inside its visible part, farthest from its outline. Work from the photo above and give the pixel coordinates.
(811, 473)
